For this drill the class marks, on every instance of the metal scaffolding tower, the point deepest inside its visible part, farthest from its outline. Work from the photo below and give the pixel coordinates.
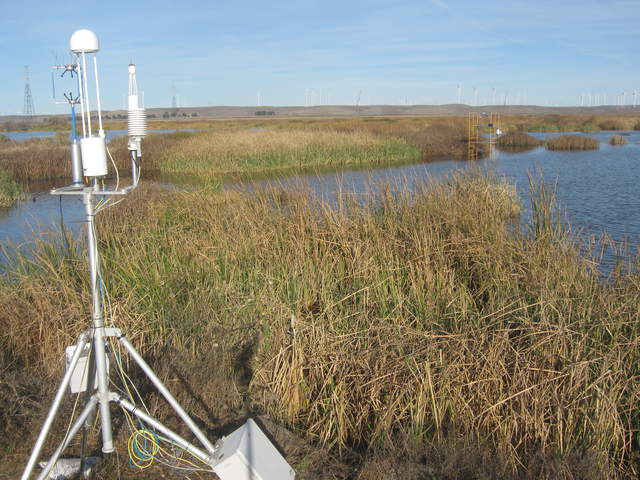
(473, 136)
(487, 124)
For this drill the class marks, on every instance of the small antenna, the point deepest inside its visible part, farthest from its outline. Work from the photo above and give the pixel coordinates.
(72, 99)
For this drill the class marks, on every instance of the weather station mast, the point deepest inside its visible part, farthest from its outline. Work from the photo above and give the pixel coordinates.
(246, 452)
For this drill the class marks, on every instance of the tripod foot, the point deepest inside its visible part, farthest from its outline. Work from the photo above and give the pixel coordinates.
(70, 467)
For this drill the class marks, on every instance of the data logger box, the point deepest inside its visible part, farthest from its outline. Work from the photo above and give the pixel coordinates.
(80, 372)
(247, 454)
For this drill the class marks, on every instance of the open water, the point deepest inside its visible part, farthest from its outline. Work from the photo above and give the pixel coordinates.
(597, 191)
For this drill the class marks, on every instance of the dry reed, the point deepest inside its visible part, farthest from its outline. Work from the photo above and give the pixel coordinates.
(517, 139)
(617, 140)
(573, 142)
(613, 124)
(10, 191)
(392, 324)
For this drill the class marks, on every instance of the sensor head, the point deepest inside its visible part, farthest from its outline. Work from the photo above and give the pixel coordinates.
(84, 41)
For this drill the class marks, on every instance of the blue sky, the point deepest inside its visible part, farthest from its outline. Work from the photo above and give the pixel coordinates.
(288, 53)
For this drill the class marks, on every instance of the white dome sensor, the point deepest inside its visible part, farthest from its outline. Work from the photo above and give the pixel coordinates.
(84, 41)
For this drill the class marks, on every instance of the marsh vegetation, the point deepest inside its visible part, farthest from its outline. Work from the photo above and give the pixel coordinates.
(617, 140)
(573, 142)
(426, 332)
(402, 324)
(10, 190)
(517, 139)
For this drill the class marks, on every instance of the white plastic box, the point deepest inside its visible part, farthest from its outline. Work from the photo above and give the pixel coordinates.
(80, 372)
(247, 454)
(94, 156)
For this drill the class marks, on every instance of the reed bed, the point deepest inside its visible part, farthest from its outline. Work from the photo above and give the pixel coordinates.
(10, 191)
(35, 159)
(617, 140)
(388, 324)
(573, 142)
(515, 138)
(251, 146)
(435, 137)
(572, 123)
(220, 152)
(613, 124)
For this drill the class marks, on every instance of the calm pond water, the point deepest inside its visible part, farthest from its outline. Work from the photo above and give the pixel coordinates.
(597, 190)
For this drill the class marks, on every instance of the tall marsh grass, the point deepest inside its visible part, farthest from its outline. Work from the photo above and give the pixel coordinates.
(573, 142)
(517, 139)
(249, 146)
(618, 140)
(10, 191)
(398, 323)
(252, 146)
(233, 152)
(573, 123)
(35, 159)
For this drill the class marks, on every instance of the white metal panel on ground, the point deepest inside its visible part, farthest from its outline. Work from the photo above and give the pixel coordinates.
(247, 454)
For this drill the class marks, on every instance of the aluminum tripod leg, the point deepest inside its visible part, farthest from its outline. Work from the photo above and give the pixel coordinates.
(103, 390)
(88, 410)
(87, 397)
(166, 394)
(55, 405)
(167, 432)
(98, 326)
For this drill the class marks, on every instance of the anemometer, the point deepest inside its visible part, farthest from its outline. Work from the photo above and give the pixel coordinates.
(246, 453)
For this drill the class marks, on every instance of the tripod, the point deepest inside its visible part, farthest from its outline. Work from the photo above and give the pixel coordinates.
(246, 452)
(95, 339)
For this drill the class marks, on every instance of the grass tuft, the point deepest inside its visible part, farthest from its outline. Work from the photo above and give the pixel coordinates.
(573, 142)
(617, 140)
(517, 139)
(10, 191)
(612, 124)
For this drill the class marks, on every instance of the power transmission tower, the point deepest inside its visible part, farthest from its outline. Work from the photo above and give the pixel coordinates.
(29, 110)
(174, 100)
